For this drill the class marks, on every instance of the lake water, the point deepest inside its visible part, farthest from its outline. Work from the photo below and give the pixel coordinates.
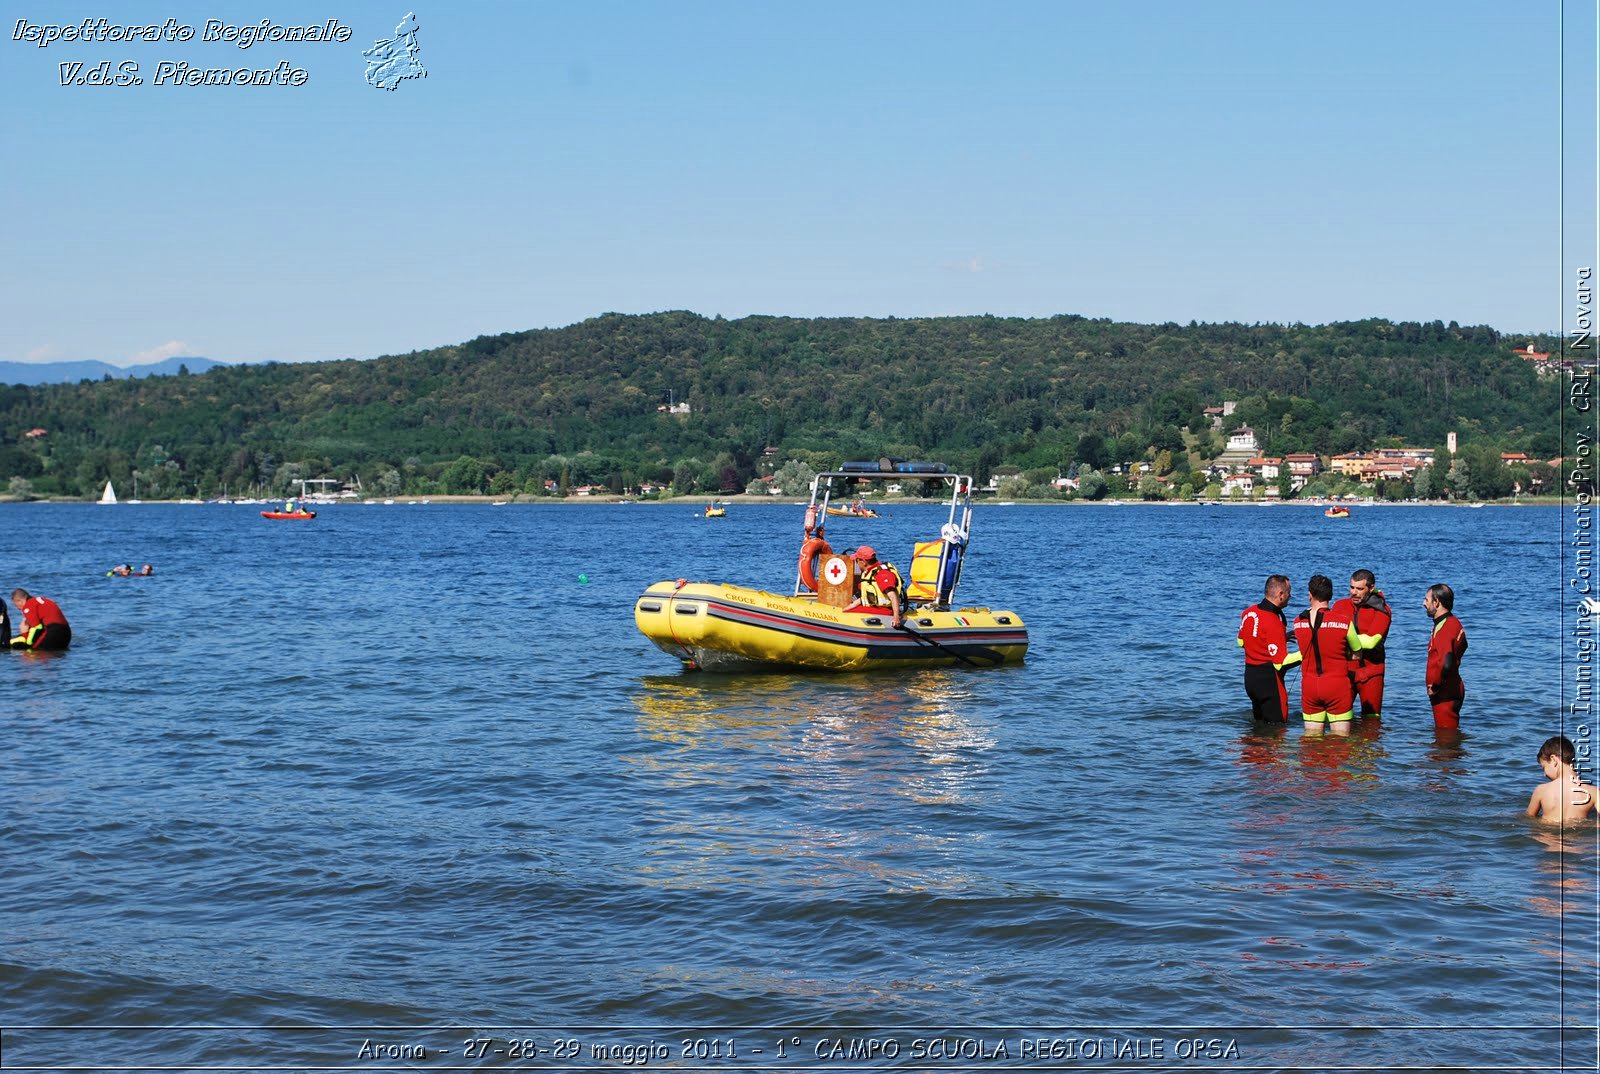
(404, 767)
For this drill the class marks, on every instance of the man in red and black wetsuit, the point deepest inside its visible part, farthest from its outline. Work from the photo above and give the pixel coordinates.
(1323, 637)
(1446, 647)
(1370, 614)
(1267, 658)
(43, 625)
(878, 585)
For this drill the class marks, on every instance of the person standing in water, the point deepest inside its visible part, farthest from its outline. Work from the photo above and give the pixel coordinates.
(1447, 645)
(1323, 638)
(43, 625)
(1370, 615)
(1267, 659)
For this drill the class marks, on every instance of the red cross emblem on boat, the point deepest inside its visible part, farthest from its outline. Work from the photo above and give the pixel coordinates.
(835, 571)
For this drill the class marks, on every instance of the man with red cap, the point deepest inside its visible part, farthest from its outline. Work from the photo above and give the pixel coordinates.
(878, 585)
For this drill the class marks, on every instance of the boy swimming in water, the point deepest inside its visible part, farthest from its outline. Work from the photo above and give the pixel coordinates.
(1566, 797)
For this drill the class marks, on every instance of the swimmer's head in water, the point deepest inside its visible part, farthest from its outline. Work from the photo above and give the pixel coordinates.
(1559, 747)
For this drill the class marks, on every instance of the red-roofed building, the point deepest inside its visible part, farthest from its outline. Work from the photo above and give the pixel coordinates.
(1266, 465)
(33, 434)
(1350, 463)
(1304, 464)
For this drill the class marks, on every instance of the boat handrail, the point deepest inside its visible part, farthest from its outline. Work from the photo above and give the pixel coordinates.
(958, 524)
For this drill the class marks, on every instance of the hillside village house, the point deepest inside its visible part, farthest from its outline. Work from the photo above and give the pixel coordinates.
(1268, 466)
(1349, 464)
(1303, 464)
(1368, 468)
(1408, 457)
(1218, 413)
(1243, 439)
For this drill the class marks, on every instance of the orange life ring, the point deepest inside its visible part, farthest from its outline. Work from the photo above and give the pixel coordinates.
(811, 556)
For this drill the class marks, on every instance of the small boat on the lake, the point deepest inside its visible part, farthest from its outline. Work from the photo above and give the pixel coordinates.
(293, 509)
(717, 626)
(716, 510)
(854, 510)
(1337, 512)
(109, 495)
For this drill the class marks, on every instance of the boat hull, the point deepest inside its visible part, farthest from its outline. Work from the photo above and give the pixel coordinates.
(720, 627)
(289, 516)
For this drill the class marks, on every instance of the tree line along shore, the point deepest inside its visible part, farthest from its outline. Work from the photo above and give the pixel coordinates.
(677, 404)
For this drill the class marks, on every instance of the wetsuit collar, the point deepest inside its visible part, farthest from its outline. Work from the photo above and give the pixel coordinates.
(1267, 606)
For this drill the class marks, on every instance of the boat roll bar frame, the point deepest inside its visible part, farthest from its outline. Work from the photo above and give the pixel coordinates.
(956, 531)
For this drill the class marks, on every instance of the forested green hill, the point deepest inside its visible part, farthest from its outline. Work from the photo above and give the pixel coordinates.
(579, 404)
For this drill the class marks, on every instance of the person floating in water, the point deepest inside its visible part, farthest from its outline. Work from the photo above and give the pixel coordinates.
(1566, 797)
(121, 571)
(43, 625)
(146, 571)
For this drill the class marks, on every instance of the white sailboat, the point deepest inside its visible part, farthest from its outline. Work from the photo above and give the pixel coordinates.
(109, 495)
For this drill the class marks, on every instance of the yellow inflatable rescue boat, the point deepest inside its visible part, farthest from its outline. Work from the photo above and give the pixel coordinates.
(717, 627)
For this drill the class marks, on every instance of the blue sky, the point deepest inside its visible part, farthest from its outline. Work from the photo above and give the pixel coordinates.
(1151, 162)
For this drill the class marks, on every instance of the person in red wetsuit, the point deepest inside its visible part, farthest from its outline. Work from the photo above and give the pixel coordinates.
(1323, 638)
(1446, 647)
(1267, 659)
(1370, 614)
(879, 584)
(43, 625)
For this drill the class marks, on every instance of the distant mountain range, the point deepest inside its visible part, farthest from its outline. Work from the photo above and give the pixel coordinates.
(72, 372)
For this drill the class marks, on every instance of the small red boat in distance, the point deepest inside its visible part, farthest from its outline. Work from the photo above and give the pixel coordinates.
(294, 508)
